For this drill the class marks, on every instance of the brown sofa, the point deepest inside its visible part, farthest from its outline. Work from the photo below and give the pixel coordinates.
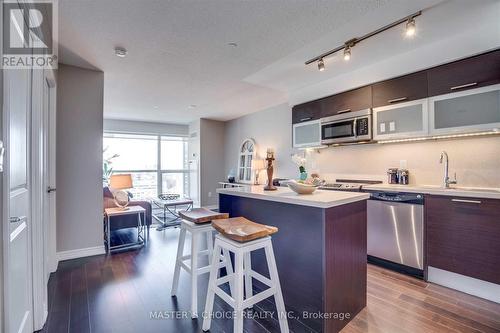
(126, 221)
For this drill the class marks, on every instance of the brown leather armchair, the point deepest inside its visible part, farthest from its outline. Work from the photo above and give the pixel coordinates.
(126, 221)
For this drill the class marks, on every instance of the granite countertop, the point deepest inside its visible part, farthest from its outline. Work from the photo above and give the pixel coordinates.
(471, 192)
(320, 198)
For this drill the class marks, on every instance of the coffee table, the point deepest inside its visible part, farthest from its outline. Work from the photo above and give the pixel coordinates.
(171, 207)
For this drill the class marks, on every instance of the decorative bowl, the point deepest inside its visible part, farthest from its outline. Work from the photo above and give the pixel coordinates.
(301, 188)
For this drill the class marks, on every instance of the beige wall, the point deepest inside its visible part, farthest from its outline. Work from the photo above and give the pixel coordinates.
(212, 139)
(475, 160)
(79, 158)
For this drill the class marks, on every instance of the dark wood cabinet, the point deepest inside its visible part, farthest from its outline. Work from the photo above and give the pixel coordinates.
(463, 236)
(349, 101)
(479, 71)
(306, 112)
(401, 89)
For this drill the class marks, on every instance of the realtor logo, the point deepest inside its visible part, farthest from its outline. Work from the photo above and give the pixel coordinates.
(29, 34)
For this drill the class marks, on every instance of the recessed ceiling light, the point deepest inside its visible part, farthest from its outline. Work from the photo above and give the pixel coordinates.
(192, 106)
(121, 52)
(233, 44)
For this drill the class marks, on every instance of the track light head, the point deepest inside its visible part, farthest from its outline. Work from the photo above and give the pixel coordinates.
(321, 65)
(347, 53)
(410, 27)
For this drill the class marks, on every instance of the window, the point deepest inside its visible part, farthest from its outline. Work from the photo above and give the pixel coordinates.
(247, 154)
(158, 164)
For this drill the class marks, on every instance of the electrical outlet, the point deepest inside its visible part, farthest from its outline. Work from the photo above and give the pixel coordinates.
(209, 194)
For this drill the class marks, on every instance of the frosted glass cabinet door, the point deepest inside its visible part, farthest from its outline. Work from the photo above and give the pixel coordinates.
(401, 121)
(307, 134)
(468, 111)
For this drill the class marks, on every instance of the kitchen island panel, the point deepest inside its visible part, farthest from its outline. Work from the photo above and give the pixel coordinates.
(320, 254)
(345, 262)
(298, 249)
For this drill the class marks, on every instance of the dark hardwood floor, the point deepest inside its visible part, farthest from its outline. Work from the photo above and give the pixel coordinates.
(118, 293)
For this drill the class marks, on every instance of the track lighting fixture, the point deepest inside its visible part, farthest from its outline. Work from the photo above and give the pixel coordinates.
(347, 53)
(410, 27)
(321, 65)
(347, 46)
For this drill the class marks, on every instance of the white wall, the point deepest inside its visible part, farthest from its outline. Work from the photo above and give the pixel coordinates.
(79, 158)
(141, 127)
(475, 160)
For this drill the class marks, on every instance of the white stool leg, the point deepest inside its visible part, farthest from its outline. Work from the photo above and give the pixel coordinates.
(247, 262)
(278, 296)
(229, 269)
(210, 246)
(238, 292)
(194, 275)
(209, 304)
(180, 253)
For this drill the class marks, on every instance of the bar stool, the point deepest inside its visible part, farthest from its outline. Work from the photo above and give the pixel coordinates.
(242, 236)
(197, 222)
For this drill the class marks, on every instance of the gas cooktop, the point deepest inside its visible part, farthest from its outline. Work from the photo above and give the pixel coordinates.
(348, 185)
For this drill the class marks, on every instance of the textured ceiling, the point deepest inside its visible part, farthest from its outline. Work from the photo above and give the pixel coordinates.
(178, 52)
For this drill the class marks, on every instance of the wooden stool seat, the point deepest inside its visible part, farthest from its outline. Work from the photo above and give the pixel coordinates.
(241, 229)
(202, 215)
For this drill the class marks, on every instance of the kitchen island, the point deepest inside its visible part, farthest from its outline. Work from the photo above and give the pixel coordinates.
(320, 249)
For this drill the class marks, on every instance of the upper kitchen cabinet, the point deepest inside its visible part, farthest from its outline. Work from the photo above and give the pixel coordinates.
(349, 101)
(306, 134)
(475, 72)
(306, 112)
(468, 111)
(402, 120)
(401, 89)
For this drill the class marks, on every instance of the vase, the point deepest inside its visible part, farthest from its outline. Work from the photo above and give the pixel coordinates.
(303, 175)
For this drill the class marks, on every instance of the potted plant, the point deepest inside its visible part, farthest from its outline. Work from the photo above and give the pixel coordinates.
(107, 168)
(301, 163)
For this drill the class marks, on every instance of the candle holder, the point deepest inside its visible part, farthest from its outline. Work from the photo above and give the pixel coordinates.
(270, 171)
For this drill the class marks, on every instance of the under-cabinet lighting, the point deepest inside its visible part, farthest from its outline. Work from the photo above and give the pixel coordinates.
(438, 137)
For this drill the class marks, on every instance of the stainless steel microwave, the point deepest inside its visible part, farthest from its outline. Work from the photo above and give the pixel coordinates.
(347, 127)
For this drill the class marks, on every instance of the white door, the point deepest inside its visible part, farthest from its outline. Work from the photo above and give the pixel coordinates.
(18, 258)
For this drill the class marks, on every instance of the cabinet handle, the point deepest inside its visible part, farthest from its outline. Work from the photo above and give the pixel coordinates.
(467, 201)
(304, 119)
(395, 100)
(344, 111)
(464, 86)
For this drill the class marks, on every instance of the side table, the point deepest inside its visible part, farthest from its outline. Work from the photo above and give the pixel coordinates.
(142, 229)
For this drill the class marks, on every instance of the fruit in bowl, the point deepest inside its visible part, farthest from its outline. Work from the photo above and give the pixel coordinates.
(302, 187)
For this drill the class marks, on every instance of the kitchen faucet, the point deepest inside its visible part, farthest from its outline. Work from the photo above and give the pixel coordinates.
(446, 179)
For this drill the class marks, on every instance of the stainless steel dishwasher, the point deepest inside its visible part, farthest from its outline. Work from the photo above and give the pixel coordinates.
(396, 228)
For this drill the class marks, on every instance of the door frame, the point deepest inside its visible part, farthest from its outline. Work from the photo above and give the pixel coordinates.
(41, 231)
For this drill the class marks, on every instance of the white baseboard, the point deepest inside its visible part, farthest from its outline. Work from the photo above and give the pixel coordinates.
(466, 284)
(80, 253)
